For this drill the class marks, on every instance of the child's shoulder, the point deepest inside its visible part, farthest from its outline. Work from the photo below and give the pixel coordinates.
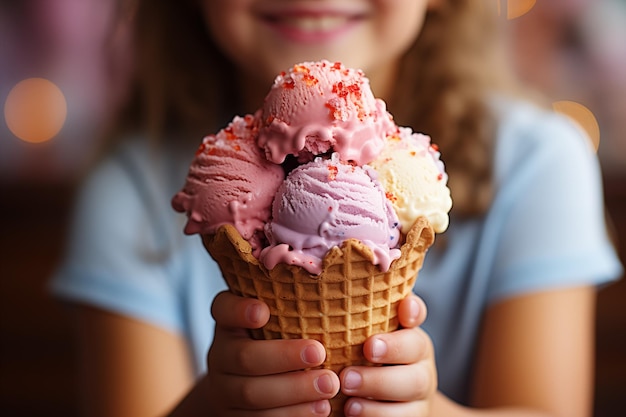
(528, 133)
(524, 122)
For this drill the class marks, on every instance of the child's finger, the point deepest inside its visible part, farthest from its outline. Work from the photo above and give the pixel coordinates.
(389, 383)
(400, 347)
(244, 356)
(369, 408)
(280, 390)
(232, 311)
(316, 408)
(412, 311)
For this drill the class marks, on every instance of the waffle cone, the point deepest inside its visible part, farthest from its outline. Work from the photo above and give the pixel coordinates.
(350, 300)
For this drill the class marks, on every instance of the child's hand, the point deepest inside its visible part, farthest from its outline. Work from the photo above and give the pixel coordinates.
(248, 375)
(406, 389)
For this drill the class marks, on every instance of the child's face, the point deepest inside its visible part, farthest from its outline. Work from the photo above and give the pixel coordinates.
(264, 37)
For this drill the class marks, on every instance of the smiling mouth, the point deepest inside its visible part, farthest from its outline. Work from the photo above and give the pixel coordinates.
(312, 24)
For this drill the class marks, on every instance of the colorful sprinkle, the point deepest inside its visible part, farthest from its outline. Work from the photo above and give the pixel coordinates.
(301, 68)
(391, 197)
(309, 80)
(334, 110)
(343, 90)
(201, 149)
(332, 172)
(230, 135)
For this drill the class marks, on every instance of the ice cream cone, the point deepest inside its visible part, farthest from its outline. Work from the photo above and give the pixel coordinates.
(341, 307)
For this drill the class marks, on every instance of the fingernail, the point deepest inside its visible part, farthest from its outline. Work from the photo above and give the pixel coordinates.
(321, 407)
(253, 313)
(311, 355)
(414, 308)
(352, 380)
(354, 409)
(379, 349)
(324, 384)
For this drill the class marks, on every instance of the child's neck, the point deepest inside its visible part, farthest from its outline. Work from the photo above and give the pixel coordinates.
(252, 92)
(382, 80)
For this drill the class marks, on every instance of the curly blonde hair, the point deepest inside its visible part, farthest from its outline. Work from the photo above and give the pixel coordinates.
(183, 86)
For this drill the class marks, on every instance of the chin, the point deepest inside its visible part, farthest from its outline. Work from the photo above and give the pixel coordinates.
(274, 65)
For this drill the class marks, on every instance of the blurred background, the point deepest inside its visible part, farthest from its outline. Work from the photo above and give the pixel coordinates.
(55, 54)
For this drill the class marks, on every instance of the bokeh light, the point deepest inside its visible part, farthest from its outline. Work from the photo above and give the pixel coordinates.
(581, 115)
(515, 8)
(35, 110)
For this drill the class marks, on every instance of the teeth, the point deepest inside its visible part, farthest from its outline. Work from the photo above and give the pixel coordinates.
(315, 24)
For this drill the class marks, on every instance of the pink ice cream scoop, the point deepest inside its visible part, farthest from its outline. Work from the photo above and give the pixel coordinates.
(230, 181)
(319, 107)
(321, 204)
(414, 178)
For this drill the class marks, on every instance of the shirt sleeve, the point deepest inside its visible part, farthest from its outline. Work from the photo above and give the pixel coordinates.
(117, 259)
(548, 218)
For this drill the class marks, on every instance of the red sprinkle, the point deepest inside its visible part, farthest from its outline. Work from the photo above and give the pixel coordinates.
(309, 80)
(332, 172)
(201, 149)
(334, 110)
(229, 134)
(391, 197)
(301, 68)
(439, 177)
(343, 90)
(435, 147)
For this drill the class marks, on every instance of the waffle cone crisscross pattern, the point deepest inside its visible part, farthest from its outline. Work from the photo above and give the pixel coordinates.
(350, 300)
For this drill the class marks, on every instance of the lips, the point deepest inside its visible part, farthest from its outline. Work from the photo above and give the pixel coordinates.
(312, 24)
(305, 25)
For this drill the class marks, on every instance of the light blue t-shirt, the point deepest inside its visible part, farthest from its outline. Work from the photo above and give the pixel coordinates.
(544, 230)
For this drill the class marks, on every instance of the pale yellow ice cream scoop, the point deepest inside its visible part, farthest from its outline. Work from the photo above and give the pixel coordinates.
(413, 177)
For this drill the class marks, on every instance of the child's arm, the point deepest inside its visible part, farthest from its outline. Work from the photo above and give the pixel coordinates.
(536, 351)
(128, 367)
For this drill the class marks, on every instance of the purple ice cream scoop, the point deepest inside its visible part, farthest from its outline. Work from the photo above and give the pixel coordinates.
(321, 204)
